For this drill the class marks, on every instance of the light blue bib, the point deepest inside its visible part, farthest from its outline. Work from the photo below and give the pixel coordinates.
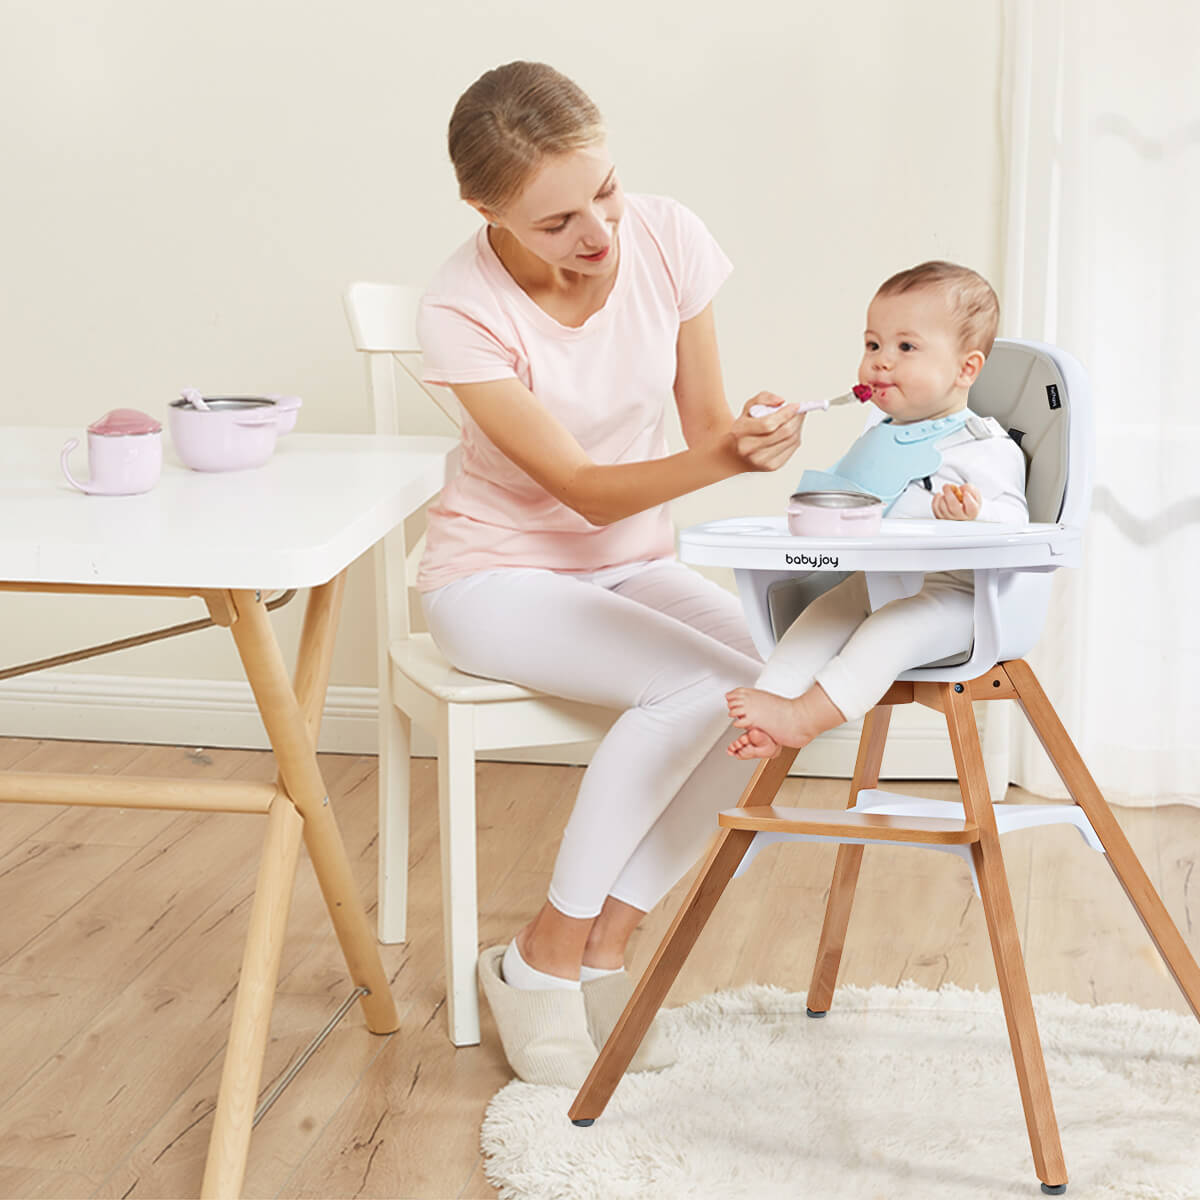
(887, 458)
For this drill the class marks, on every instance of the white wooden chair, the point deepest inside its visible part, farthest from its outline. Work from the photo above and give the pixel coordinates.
(467, 715)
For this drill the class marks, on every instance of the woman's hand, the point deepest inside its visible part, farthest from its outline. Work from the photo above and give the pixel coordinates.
(957, 502)
(765, 443)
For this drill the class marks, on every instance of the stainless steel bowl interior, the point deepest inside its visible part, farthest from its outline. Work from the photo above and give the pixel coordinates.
(227, 403)
(832, 499)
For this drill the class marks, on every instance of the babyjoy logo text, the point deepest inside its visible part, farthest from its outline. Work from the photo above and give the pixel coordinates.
(811, 560)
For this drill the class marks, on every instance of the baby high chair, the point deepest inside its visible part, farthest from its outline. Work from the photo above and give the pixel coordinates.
(1040, 395)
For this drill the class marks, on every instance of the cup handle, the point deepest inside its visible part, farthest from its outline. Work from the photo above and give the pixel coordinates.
(66, 470)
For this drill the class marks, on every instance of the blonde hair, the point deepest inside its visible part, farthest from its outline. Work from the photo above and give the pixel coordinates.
(508, 121)
(973, 303)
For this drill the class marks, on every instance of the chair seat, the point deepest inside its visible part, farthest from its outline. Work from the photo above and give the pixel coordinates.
(418, 659)
(841, 822)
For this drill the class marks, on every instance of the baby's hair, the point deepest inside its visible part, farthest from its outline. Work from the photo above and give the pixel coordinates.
(972, 300)
(508, 121)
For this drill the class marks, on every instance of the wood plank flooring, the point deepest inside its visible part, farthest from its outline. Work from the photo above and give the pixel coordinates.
(123, 930)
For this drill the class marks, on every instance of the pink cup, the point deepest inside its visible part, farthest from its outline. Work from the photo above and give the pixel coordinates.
(124, 454)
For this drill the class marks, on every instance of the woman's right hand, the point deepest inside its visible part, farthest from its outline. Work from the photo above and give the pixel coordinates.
(765, 443)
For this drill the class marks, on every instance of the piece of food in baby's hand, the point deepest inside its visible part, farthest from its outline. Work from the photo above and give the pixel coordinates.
(860, 392)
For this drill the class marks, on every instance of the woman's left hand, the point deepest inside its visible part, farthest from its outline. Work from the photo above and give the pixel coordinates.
(765, 443)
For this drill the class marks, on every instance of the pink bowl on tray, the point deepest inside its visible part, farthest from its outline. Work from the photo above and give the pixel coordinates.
(230, 433)
(834, 514)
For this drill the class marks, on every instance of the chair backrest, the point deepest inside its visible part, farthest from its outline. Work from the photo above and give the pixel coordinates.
(1040, 395)
(383, 324)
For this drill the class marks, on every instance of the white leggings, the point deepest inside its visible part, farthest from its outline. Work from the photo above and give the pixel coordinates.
(656, 641)
(855, 654)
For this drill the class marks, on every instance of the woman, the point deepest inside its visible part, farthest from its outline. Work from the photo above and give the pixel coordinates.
(562, 327)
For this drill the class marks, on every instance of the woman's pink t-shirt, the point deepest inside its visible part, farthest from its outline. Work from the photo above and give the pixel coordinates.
(608, 382)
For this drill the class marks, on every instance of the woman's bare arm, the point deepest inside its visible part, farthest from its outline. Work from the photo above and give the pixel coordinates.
(704, 414)
(517, 424)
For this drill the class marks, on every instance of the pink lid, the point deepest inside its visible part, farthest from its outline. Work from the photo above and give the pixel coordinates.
(125, 420)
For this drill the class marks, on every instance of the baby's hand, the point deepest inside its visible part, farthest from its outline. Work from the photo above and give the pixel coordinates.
(957, 502)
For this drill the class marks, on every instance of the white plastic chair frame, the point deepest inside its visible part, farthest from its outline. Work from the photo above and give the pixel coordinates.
(1012, 573)
(466, 714)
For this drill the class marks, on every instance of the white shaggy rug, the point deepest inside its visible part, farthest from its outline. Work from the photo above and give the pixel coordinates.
(898, 1092)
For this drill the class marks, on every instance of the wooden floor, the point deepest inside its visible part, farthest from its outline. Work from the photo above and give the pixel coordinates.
(122, 933)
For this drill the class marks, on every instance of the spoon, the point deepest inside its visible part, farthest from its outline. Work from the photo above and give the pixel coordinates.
(860, 392)
(196, 400)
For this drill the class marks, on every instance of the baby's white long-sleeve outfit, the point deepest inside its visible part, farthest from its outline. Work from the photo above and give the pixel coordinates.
(980, 453)
(856, 654)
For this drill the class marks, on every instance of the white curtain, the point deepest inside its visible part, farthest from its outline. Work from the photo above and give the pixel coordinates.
(1102, 131)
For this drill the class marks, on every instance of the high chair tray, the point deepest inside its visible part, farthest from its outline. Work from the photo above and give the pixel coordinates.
(902, 544)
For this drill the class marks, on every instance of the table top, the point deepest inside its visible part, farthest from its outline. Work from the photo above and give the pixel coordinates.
(321, 501)
(902, 544)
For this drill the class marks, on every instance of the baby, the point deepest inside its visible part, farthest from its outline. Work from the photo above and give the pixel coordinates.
(929, 331)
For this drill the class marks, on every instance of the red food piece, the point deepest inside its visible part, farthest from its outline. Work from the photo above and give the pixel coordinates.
(862, 391)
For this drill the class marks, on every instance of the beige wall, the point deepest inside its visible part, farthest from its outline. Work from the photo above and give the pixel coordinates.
(188, 188)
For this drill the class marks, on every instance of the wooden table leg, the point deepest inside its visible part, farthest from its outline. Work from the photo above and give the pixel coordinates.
(295, 753)
(242, 1070)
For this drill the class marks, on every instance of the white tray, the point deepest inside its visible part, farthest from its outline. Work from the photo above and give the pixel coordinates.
(902, 544)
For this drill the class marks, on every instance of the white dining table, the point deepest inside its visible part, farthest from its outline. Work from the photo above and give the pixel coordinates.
(229, 539)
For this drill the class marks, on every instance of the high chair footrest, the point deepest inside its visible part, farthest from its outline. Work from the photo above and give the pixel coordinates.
(841, 822)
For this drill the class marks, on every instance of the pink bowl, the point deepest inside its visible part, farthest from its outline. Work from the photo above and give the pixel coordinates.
(234, 432)
(834, 514)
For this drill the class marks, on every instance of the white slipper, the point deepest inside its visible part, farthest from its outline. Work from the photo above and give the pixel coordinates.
(605, 1000)
(544, 1033)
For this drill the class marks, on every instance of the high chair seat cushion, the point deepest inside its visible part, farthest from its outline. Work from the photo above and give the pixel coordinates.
(1024, 392)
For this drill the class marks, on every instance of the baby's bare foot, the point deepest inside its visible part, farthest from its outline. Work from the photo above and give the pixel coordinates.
(753, 744)
(737, 701)
(787, 722)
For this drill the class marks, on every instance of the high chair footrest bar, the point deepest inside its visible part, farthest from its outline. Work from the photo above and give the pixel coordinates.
(840, 822)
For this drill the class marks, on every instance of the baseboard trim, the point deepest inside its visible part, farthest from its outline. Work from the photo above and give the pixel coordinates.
(172, 712)
(208, 712)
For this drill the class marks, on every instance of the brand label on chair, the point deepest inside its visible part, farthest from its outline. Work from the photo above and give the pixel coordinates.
(812, 560)
(1052, 395)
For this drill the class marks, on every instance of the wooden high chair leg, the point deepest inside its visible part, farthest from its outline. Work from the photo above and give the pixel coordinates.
(1002, 931)
(1124, 862)
(723, 860)
(845, 871)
